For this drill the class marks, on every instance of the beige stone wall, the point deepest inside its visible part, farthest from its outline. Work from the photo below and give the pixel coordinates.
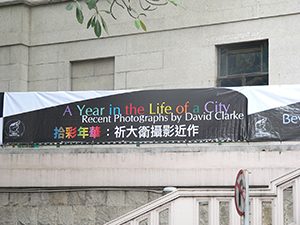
(39, 41)
(93, 207)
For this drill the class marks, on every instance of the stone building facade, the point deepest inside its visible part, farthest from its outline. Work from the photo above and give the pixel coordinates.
(43, 48)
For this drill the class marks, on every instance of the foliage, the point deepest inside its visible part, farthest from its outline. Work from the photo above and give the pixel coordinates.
(97, 22)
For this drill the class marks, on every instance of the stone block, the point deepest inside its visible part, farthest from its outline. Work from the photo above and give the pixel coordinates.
(83, 69)
(96, 198)
(84, 215)
(234, 14)
(59, 198)
(105, 214)
(39, 199)
(185, 40)
(26, 20)
(120, 81)
(44, 85)
(46, 215)
(142, 61)
(26, 215)
(93, 83)
(136, 198)
(19, 54)
(150, 42)
(249, 3)
(267, 8)
(176, 77)
(183, 58)
(104, 66)
(39, 25)
(4, 55)
(4, 85)
(184, 76)
(44, 54)
(144, 79)
(60, 18)
(13, 72)
(64, 215)
(17, 16)
(19, 199)
(93, 49)
(5, 12)
(7, 216)
(154, 195)
(48, 71)
(115, 198)
(18, 85)
(4, 199)
(77, 197)
(64, 84)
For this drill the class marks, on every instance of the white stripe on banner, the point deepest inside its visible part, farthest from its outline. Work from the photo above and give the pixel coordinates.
(261, 98)
(1, 131)
(21, 102)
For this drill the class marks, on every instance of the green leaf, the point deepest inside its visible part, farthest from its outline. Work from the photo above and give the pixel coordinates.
(180, 5)
(78, 6)
(104, 25)
(69, 6)
(134, 10)
(108, 12)
(137, 23)
(92, 4)
(143, 26)
(79, 16)
(50, 1)
(97, 28)
(176, 3)
(108, 1)
(89, 23)
(93, 21)
(143, 14)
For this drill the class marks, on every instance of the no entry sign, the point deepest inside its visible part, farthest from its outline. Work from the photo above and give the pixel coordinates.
(240, 193)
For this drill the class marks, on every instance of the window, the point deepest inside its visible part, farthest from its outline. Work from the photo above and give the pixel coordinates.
(266, 213)
(224, 213)
(288, 205)
(203, 213)
(164, 217)
(243, 64)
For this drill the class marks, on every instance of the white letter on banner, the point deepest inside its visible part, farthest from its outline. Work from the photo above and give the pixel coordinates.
(285, 119)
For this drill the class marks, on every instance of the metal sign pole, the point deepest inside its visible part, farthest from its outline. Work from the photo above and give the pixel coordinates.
(247, 199)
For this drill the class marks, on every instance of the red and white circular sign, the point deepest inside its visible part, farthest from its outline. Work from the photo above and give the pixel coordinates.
(240, 193)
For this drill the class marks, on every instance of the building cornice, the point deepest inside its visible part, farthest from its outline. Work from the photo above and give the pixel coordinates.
(28, 2)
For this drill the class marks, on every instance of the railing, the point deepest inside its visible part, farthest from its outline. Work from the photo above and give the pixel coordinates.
(181, 207)
(216, 206)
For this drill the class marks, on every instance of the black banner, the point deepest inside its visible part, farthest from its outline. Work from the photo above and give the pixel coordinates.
(133, 116)
(277, 124)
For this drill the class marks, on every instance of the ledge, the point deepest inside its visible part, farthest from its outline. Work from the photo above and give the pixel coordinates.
(153, 148)
(28, 2)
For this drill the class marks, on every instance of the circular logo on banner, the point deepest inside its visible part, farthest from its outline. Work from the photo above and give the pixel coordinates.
(14, 129)
(240, 192)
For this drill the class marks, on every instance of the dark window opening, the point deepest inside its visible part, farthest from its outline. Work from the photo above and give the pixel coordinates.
(243, 64)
